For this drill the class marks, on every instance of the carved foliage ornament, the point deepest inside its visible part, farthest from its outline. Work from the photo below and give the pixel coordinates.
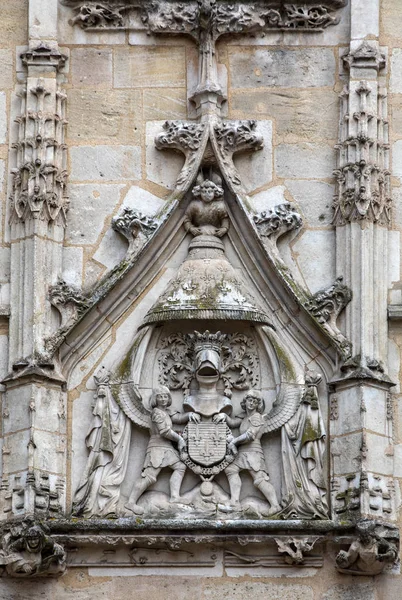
(39, 180)
(240, 365)
(194, 17)
(277, 221)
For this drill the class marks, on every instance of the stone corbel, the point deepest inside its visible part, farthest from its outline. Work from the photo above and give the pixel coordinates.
(27, 550)
(374, 550)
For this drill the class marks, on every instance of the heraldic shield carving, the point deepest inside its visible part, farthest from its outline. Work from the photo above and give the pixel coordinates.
(207, 446)
(202, 393)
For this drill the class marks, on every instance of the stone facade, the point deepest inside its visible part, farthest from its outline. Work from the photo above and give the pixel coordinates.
(200, 299)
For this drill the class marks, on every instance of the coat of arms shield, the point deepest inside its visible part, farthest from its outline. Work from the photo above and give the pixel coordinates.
(207, 443)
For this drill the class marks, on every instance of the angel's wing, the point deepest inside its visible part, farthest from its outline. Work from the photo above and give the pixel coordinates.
(284, 406)
(130, 401)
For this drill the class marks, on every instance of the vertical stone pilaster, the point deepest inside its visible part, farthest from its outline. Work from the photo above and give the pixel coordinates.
(34, 429)
(361, 431)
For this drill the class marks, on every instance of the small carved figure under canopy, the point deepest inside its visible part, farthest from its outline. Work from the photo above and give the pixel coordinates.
(207, 286)
(207, 214)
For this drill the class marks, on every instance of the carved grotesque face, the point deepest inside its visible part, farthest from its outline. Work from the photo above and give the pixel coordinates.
(33, 538)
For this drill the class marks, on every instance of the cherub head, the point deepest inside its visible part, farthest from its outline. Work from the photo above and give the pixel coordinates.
(160, 397)
(252, 401)
(208, 191)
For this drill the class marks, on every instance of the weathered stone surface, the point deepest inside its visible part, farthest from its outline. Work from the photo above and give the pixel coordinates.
(254, 68)
(389, 22)
(298, 114)
(14, 22)
(304, 161)
(257, 591)
(357, 591)
(364, 22)
(164, 103)
(72, 265)
(150, 67)
(3, 125)
(90, 205)
(314, 199)
(111, 163)
(397, 158)
(269, 198)
(92, 67)
(255, 168)
(43, 19)
(396, 112)
(6, 68)
(396, 71)
(102, 118)
(4, 264)
(314, 251)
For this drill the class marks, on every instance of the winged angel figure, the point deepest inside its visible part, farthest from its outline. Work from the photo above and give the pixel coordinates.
(160, 451)
(296, 413)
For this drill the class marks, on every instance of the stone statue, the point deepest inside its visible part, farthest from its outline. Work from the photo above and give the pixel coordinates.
(303, 448)
(248, 450)
(371, 552)
(160, 451)
(27, 550)
(207, 215)
(108, 441)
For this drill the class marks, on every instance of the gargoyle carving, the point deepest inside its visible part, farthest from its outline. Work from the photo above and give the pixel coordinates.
(375, 548)
(27, 550)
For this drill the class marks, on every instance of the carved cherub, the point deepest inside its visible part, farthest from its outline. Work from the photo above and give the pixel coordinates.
(207, 214)
(247, 447)
(160, 451)
(369, 554)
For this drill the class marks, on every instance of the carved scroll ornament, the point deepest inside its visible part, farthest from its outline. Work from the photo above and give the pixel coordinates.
(195, 16)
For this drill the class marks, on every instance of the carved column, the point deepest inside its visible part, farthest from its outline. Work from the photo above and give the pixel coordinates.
(362, 457)
(33, 408)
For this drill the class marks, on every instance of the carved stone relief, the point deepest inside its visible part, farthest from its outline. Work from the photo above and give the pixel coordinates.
(39, 180)
(193, 17)
(28, 550)
(375, 549)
